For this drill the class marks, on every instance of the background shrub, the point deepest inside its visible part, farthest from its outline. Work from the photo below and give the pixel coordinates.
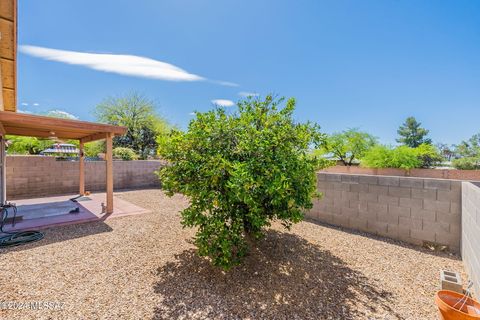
(468, 163)
(402, 157)
(124, 153)
(241, 171)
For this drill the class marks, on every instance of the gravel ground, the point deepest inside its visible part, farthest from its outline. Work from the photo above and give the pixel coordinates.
(145, 267)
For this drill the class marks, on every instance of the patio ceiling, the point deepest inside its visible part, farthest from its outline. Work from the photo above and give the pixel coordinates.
(22, 124)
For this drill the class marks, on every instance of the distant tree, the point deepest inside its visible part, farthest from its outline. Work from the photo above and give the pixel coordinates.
(446, 151)
(348, 145)
(468, 154)
(469, 148)
(137, 113)
(412, 134)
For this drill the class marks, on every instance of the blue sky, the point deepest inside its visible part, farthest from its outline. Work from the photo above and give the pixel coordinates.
(366, 64)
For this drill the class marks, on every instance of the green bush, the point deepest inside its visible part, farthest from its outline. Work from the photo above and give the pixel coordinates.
(428, 155)
(468, 163)
(92, 149)
(241, 171)
(384, 157)
(402, 157)
(124, 154)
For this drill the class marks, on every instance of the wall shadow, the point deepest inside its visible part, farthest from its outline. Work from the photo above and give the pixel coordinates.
(444, 254)
(284, 277)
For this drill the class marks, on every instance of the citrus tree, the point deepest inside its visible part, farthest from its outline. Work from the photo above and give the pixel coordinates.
(241, 171)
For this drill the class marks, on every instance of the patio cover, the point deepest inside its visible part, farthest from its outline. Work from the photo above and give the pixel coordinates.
(47, 127)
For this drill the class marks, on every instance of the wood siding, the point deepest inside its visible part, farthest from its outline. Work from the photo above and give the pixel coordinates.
(8, 53)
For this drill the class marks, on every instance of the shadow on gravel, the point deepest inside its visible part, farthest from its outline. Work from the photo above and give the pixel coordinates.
(284, 277)
(63, 233)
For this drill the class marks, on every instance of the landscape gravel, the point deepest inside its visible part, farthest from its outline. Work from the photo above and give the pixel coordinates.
(146, 267)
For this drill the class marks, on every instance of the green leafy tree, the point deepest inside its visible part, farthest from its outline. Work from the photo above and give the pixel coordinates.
(412, 134)
(26, 145)
(137, 113)
(349, 145)
(241, 171)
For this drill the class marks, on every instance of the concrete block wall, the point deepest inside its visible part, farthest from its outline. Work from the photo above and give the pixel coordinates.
(36, 176)
(471, 232)
(413, 210)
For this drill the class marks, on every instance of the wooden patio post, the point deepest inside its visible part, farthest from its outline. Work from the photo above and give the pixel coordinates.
(109, 164)
(81, 162)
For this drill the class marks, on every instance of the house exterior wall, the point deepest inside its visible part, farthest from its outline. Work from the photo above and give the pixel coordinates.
(8, 53)
(36, 176)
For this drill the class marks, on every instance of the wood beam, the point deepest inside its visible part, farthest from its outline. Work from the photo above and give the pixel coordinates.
(2, 130)
(93, 137)
(81, 162)
(109, 164)
(2, 106)
(40, 134)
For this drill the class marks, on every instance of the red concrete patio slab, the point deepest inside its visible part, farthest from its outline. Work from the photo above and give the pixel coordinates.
(40, 213)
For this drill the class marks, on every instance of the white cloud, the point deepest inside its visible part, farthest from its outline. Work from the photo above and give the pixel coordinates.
(61, 114)
(24, 111)
(129, 65)
(191, 114)
(223, 102)
(248, 94)
(24, 104)
(36, 104)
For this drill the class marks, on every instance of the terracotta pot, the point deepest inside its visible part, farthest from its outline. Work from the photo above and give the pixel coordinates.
(445, 300)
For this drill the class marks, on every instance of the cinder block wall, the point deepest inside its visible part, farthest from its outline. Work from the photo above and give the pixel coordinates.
(471, 232)
(413, 210)
(35, 176)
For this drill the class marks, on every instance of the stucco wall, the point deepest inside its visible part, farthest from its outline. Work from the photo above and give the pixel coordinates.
(471, 232)
(32, 176)
(413, 210)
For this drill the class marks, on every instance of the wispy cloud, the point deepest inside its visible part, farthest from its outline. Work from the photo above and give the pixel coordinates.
(248, 94)
(24, 104)
(223, 102)
(226, 83)
(36, 104)
(191, 114)
(123, 64)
